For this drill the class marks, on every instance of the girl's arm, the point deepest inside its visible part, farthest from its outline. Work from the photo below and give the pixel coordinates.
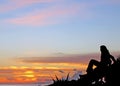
(113, 59)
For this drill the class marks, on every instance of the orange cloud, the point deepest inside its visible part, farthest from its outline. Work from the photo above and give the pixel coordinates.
(31, 75)
(19, 75)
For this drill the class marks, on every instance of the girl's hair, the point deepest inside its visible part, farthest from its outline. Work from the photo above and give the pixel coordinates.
(104, 50)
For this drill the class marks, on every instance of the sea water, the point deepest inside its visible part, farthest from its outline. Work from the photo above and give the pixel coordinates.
(19, 85)
(22, 84)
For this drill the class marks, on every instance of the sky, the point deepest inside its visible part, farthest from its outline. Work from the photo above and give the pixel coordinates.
(41, 38)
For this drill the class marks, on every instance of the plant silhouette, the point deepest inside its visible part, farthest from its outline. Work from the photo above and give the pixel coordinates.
(106, 73)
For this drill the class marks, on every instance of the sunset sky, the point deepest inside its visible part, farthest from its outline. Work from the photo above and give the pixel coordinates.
(41, 38)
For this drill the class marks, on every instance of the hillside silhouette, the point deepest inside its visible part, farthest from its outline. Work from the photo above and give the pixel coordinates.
(107, 73)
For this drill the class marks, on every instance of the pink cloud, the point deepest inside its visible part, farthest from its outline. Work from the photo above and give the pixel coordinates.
(14, 4)
(77, 58)
(51, 15)
(74, 58)
(40, 18)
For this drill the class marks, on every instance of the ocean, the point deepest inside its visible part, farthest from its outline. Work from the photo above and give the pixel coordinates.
(22, 84)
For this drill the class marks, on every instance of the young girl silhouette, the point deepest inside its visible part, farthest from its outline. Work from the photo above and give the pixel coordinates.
(106, 60)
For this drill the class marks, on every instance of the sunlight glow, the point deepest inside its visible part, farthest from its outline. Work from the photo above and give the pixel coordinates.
(24, 74)
(29, 74)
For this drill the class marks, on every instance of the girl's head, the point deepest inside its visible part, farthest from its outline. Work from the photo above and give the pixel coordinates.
(103, 49)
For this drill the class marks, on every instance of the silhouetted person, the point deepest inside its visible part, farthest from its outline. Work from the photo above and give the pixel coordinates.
(102, 67)
(106, 60)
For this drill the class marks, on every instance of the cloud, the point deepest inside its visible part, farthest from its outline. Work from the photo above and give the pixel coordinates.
(9, 75)
(53, 14)
(56, 13)
(46, 17)
(77, 58)
(15, 4)
(38, 18)
(18, 75)
(65, 58)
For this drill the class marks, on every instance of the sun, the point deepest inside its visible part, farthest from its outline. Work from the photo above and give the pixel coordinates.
(29, 74)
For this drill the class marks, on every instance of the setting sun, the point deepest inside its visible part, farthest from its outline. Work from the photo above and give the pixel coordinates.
(29, 74)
